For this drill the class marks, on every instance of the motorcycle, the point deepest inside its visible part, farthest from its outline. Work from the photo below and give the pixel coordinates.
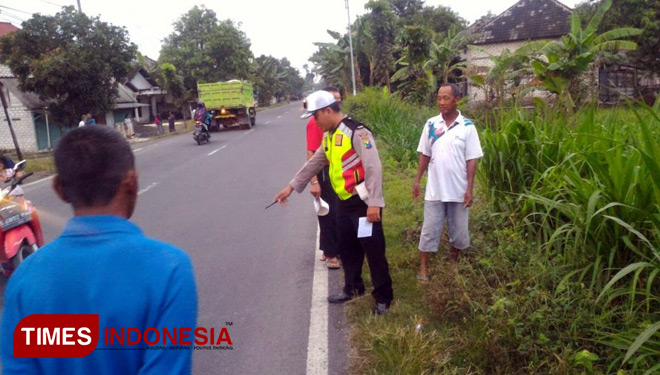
(20, 229)
(200, 134)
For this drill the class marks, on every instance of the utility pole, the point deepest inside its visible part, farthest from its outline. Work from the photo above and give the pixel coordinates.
(50, 146)
(350, 42)
(11, 127)
(79, 8)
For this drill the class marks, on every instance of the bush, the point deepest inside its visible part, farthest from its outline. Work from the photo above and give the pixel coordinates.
(397, 123)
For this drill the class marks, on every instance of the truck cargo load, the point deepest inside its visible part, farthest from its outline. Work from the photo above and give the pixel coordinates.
(231, 103)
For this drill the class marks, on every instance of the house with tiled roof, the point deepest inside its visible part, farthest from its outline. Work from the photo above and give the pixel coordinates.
(138, 96)
(524, 21)
(26, 111)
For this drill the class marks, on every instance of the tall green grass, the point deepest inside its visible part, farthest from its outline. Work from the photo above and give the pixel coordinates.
(565, 232)
(398, 124)
(587, 188)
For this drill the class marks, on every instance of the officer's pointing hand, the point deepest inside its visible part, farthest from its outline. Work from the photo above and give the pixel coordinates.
(283, 195)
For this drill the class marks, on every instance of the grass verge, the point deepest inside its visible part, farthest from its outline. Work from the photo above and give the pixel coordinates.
(522, 303)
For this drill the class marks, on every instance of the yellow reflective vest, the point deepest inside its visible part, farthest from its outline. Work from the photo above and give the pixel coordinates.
(346, 168)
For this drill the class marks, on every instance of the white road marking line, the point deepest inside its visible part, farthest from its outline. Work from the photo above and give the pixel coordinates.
(214, 151)
(137, 149)
(267, 122)
(38, 181)
(280, 116)
(317, 341)
(151, 186)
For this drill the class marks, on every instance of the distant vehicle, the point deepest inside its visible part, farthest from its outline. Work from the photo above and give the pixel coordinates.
(231, 103)
(20, 229)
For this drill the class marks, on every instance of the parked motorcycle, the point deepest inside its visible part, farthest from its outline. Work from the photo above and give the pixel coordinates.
(20, 230)
(200, 134)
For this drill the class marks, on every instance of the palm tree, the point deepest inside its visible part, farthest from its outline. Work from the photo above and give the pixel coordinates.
(333, 62)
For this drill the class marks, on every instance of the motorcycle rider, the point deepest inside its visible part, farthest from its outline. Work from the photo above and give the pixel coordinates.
(202, 116)
(7, 173)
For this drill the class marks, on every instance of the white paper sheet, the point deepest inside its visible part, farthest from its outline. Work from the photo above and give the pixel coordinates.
(364, 228)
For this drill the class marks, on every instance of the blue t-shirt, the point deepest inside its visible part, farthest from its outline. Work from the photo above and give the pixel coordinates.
(104, 265)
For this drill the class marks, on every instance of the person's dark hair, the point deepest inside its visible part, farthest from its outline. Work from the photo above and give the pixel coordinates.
(91, 162)
(454, 89)
(331, 89)
(6, 162)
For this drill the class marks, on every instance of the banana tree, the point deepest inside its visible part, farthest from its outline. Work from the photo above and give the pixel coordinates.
(561, 65)
(333, 61)
(411, 80)
(504, 78)
(444, 57)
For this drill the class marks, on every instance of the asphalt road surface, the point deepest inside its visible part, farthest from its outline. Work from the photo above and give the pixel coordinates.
(254, 267)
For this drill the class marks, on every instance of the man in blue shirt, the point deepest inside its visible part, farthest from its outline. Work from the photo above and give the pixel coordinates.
(102, 264)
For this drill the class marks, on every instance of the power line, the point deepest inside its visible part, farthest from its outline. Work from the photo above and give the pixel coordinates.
(52, 3)
(15, 10)
(17, 18)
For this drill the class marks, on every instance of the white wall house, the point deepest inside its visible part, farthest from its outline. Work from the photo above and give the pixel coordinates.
(28, 117)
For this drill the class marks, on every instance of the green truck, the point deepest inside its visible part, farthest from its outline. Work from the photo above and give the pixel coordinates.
(231, 103)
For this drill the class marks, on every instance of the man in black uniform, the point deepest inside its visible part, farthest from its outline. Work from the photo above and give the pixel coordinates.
(356, 176)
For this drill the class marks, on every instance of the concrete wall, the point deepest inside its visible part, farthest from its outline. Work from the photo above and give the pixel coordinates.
(22, 121)
(480, 61)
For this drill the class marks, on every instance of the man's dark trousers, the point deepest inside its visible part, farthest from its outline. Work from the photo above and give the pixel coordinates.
(328, 241)
(353, 250)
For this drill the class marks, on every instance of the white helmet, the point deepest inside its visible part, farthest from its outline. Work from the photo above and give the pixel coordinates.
(318, 100)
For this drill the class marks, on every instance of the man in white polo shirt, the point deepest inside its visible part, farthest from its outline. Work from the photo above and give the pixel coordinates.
(449, 149)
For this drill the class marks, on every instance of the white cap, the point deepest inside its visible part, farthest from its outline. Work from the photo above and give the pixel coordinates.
(322, 208)
(318, 100)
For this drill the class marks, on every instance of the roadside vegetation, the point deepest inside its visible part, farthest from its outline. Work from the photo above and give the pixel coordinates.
(562, 276)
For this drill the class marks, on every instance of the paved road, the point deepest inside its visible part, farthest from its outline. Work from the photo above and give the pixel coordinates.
(254, 267)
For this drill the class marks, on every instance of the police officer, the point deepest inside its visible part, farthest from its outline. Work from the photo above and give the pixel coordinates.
(356, 177)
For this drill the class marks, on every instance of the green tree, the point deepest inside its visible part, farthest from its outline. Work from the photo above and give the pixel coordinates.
(561, 65)
(412, 80)
(333, 62)
(207, 50)
(275, 78)
(365, 46)
(383, 34)
(406, 8)
(445, 57)
(72, 61)
(173, 83)
(439, 19)
(641, 14)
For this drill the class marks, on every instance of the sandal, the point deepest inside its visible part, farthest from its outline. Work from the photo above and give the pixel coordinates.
(333, 263)
(323, 258)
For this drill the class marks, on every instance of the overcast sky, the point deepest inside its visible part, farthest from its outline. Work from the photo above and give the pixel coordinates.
(280, 28)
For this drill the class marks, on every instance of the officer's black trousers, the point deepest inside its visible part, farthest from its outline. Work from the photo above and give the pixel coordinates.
(353, 250)
(328, 223)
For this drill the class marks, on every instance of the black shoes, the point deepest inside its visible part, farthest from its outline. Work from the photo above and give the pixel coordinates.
(381, 309)
(342, 297)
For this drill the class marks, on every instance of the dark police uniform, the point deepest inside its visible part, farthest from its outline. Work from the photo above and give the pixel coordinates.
(351, 151)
